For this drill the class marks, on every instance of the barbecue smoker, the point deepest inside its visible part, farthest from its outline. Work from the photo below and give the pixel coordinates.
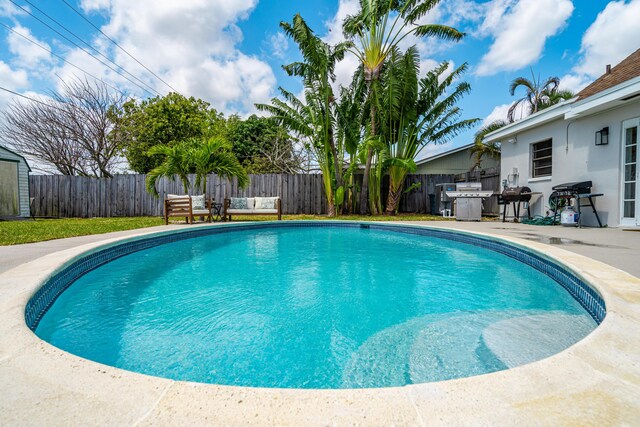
(515, 195)
(469, 197)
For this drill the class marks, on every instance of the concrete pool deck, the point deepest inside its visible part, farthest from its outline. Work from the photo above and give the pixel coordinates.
(596, 381)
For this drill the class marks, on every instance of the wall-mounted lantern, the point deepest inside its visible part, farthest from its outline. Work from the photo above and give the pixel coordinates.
(602, 136)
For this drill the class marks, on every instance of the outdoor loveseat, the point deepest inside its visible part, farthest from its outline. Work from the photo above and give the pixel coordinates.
(252, 206)
(187, 207)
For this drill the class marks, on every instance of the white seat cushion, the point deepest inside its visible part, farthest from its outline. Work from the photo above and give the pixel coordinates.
(200, 211)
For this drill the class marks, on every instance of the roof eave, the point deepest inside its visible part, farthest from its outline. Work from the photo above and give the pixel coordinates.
(606, 99)
(547, 115)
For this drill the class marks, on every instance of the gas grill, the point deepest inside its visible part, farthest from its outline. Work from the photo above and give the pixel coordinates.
(469, 197)
(515, 195)
(574, 190)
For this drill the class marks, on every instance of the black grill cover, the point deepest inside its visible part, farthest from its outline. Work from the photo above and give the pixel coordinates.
(516, 194)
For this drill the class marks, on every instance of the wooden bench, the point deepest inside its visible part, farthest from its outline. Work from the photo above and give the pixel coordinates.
(250, 209)
(182, 206)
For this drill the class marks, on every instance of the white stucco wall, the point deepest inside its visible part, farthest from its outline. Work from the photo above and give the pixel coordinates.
(578, 160)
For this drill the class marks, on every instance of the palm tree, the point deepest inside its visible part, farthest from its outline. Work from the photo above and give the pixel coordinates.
(215, 155)
(419, 112)
(379, 26)
(538, 95)
(481, 149)
(176, 163)
(555, 97)
(212, 155)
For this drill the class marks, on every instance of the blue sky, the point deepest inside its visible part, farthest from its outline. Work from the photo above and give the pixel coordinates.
(230, 52)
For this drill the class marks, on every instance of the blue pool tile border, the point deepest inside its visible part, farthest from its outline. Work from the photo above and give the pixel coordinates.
(47, 294)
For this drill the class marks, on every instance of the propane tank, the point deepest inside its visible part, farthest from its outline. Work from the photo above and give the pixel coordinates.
(569, 217)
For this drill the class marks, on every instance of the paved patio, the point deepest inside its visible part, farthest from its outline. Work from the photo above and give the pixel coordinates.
(594, 382)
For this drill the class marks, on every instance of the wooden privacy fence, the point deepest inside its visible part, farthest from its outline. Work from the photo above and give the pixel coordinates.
(126, 195)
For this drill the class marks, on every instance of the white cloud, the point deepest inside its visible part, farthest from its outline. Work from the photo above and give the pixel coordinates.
(498, 113)
(613, 36)
(26, 53)
(13, 79)
(8, 9)
(520, 30)
(278, 45)
(574, 82)
(192, 45)
(334, 25)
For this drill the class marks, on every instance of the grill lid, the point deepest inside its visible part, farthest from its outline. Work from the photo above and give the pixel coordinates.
(516, 194)
(577, 187)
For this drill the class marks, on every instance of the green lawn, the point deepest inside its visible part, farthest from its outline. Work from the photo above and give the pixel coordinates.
(17, 232)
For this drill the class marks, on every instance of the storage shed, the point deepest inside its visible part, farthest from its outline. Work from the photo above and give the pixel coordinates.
(14, 185)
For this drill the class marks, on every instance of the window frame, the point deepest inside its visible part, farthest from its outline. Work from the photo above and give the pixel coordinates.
(547, 159)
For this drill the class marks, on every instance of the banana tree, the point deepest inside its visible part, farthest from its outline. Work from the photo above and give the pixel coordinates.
(377, 29)
(308, 120)
(419, 112)
(314, 119)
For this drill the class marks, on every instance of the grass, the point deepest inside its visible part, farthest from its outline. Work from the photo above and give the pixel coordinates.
(18, 232)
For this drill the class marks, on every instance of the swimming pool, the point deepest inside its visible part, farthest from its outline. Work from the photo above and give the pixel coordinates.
(314, 305)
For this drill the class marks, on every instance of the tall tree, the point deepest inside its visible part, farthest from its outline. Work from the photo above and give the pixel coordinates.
(68, 130)
(262, 145)
(350, 118)
(166, 120)
(378, 28)
(317, 70)
(417, 112)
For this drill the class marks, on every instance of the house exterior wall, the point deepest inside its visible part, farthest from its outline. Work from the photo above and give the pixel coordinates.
(575, 159)
(23, 180)
(453, 164)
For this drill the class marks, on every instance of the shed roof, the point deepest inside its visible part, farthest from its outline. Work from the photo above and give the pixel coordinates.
(18, 155)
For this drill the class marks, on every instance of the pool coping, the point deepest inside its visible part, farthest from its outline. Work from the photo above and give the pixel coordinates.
(597, 380)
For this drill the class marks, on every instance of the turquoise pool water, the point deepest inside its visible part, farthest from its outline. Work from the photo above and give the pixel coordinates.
(314, 308)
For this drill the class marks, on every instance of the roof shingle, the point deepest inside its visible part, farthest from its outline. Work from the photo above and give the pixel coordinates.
(628, 69)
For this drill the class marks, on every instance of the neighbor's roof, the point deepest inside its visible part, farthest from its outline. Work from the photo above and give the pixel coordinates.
(626, 70)
(446, 153)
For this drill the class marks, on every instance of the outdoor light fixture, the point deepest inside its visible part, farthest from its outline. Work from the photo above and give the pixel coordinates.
(512, 140)
(602, 136)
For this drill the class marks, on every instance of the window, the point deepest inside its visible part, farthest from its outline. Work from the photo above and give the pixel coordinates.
(541, 159)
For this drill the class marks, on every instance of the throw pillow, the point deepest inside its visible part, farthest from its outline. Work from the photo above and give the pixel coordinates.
(238, 203)
(197, 202)
(266, 203)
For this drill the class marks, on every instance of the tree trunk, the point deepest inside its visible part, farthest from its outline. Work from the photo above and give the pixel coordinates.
(393, 200)
(331, 209)
(364, 190)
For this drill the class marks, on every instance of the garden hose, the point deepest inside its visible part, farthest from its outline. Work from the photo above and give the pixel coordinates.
(539, 220)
